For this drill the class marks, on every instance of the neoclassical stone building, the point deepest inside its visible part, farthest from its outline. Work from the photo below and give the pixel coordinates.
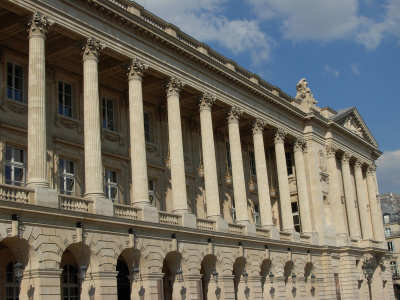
(138, 163)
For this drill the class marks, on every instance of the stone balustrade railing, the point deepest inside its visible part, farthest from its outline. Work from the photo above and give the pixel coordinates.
(206, 224)
(236, 228)
(170, 218)
(74, 203)
(14, 193)
(160, 24)
(126, 211)
(263, 233)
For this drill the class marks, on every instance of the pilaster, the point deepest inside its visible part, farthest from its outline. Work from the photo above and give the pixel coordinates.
(376, 213)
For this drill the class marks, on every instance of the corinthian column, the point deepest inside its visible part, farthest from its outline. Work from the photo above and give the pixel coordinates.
(140, 192)
(91, 113)
(37, 153)
(173, 88)
(284, 192)
(376, 214)
(365, 219)
(262, 174)
(210, 165)
(350, 203)
(298, 146)
(239, 186)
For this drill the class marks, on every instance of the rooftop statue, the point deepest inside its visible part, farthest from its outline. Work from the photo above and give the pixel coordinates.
(304, 94)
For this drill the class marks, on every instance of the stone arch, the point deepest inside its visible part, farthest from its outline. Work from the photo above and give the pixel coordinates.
(226, 260)
(192, 257)
(153, 254)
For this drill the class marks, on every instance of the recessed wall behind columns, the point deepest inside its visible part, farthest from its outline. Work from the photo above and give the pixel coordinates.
(126, 43)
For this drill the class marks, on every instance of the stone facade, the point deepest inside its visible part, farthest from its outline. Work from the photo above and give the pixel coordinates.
(233, 190)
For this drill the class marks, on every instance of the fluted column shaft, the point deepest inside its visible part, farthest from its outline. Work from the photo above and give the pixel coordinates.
(140, 191)
(239, 186)
(334, 190)
(376, 214)
(365, 219)
(284, 192)
(305, 215)
(178, 181)
(350, 201)
(210, 165)
(37, 149)
(262, 175)
(91, 118)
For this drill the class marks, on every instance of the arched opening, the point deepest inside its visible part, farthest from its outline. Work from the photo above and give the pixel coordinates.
(70, 287)
(123, 282)
(173, 286)
(239, 284)
(209, 280)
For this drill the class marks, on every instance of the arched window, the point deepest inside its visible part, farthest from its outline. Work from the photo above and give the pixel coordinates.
(70, 283)
(12, 286)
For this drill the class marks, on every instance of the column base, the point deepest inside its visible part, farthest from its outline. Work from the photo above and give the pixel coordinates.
(343, 239)
(102, 206)
(250, 229)
(189, 220)
(44, 196)
(274, 233)
(37, 183)
(314, 237)
(222, 225)
(149, 213)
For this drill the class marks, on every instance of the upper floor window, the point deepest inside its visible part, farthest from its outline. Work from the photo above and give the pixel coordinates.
(256, 215)
(64, 99)
(108, 113)
(111, 185)
(15, 82)
(233, 209)
(252, 163)
(152, 198)
(15, 166)
(228, 155)
(390, 246)
(289, 163)
(386, 218)
(147, 134)
(12, 285)
(393, 267)
(388, 231)
(67, 177)
(296, 216)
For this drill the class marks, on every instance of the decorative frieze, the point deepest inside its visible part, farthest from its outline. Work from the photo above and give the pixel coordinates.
(66, 123)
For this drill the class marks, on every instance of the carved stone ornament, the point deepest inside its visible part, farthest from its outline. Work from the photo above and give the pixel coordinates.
(16, 107)
(371, 169)
(38, 24)
(351, 125)
(206, 101)
(358, 165)
(136, 68)
(280, 135)
(299, 144)
(70, 124)
(346, 158)
(234, 114)
(91, 48)
(258, 126)
(322, 161)
(304, 94)
(174, 85)
(331, 150)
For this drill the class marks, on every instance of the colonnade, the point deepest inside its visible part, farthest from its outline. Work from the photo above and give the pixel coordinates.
(94, 188)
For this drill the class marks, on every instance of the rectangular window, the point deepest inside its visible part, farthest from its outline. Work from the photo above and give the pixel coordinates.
(15, 166)
(111, 185)
(64, 99)
(252, 163)
(337, 286)
(296, 217)
(233, 209)
(289, 164)
(108, 113)
(15, 82)
(388, 232)
(152, 198)
(390, 246)
(67, 177)
(228, 155)
(257, 219)
(147, 134)
(393, 268)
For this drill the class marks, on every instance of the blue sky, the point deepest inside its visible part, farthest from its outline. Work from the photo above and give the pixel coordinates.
(349, 51)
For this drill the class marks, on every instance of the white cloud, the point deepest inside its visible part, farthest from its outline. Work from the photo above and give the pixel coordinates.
(204, 21)
(331, 71)
(355, 68)
(388, 171)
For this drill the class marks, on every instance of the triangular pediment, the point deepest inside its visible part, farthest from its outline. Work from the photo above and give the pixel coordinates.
(351, 120)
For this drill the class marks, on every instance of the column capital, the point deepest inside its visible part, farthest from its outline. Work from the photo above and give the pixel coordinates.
(206, 101)
(299, 144)
(280, 135)
(135, 68)
(371, 169)
(173, 86)
(358, 165)
(234, 114)
(346, 158)
(331, 150)
(91, 48)
(258, 126)
(38, 24)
